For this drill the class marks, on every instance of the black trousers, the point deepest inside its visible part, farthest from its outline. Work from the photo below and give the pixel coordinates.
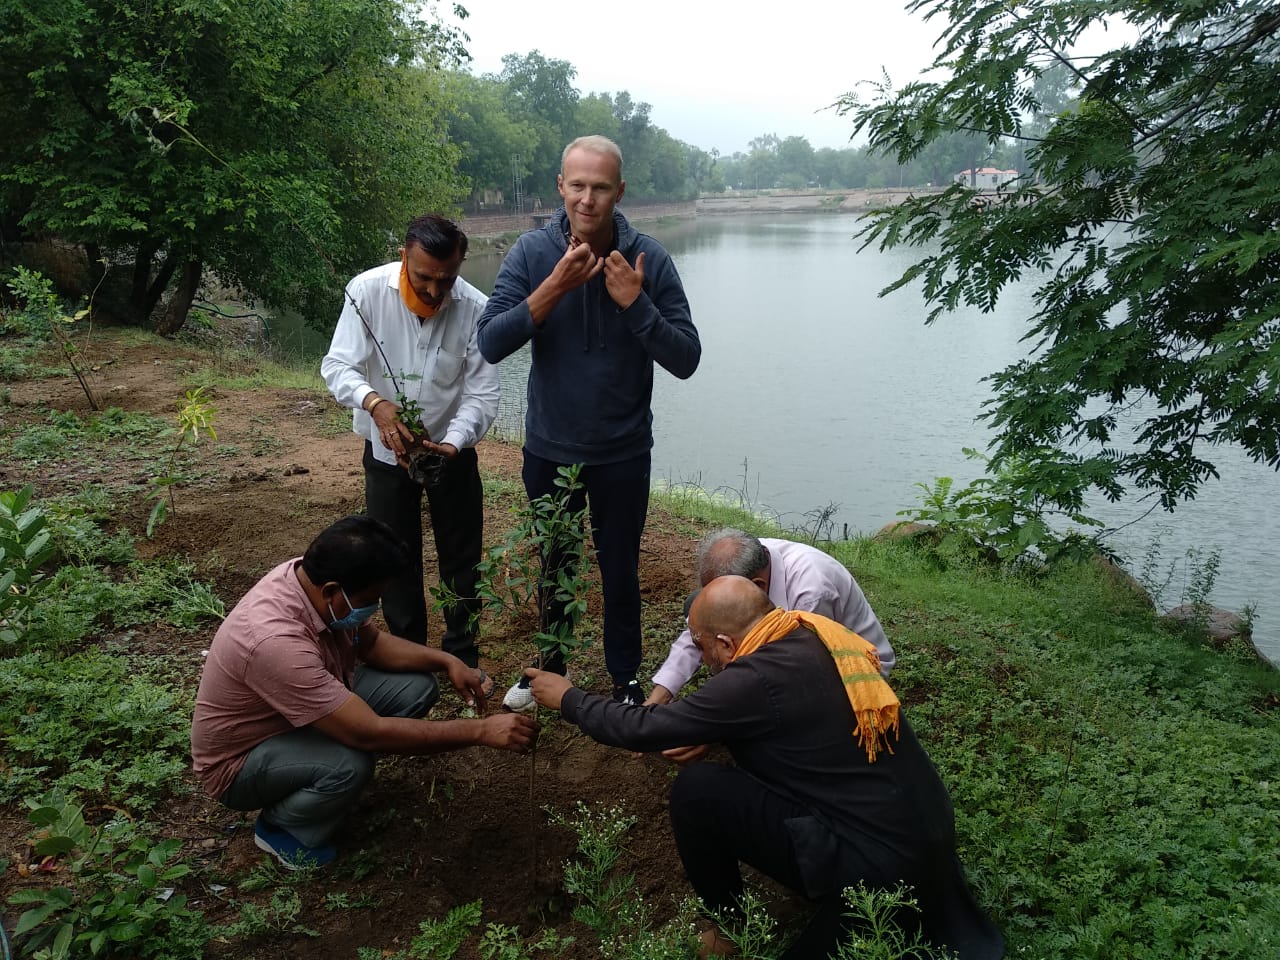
(722, 817)
(457, 525)
(617, 495)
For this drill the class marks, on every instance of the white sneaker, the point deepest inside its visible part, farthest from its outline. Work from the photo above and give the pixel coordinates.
(519, 699)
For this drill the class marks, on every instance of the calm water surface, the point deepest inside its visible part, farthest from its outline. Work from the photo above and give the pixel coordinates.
(812, 391)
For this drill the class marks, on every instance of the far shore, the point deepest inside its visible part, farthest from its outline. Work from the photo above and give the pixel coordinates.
(507, 226)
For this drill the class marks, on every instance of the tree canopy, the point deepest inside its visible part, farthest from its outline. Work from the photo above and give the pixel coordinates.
(1147, 216)
(277, 144)
(519, 120)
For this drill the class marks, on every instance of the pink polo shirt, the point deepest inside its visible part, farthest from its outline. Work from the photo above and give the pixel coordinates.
(273, 666)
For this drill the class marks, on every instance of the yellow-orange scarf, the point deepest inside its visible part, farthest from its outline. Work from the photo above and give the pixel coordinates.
(407, 294)
(875, 705)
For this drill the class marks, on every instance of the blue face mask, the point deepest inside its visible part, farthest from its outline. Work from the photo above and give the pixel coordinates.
(354, 620)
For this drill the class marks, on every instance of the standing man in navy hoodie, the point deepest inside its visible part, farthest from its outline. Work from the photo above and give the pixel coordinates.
(600, 303)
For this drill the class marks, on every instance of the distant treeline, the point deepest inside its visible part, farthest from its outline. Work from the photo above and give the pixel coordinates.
(513, 124)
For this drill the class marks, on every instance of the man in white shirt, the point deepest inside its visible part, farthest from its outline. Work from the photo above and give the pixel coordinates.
(795, 576)
(407, 332)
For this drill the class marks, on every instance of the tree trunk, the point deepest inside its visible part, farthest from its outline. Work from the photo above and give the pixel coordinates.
(142, 260)
(159, 285)
(93, 253)
(175, 314)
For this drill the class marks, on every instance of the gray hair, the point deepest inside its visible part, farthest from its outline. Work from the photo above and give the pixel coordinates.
(745, 558)
(595, 143)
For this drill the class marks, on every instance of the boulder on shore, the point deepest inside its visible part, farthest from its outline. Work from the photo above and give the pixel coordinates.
(1221, 625)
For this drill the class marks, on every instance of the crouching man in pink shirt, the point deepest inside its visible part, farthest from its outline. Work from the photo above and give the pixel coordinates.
(300, 693)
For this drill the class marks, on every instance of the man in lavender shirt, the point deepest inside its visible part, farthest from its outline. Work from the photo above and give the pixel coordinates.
(795, 576)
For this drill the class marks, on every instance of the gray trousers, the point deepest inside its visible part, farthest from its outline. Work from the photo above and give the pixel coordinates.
(305, 782)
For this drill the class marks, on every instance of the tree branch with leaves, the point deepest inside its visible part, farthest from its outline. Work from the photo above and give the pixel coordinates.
(1147, 216)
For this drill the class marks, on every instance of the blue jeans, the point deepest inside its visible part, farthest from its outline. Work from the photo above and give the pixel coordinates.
(618, 497)
(305, 782)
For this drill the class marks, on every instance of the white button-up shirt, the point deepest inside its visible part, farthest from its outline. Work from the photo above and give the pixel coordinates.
(435, 361)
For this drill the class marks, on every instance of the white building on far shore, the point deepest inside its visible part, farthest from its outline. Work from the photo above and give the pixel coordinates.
(985, 178)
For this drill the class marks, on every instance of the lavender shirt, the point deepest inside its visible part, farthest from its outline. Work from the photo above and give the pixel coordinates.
(800, 578)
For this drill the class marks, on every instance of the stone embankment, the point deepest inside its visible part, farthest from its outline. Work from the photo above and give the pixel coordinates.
(831, 201)
(501, 224)
(740, 202)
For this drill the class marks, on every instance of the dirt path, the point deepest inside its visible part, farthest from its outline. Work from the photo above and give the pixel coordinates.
(431, 832)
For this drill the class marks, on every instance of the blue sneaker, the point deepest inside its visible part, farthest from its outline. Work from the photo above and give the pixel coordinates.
(291, 852)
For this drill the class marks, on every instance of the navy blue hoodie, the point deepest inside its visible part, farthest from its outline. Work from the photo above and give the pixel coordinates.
(591, 379)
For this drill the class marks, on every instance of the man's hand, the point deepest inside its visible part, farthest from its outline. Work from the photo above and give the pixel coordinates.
(576, 267)
(508, 731)
(659, 696)
(548, 688)
(685, 755)
(446, 450)
(623, 283)
(469, 682)
(393, 432)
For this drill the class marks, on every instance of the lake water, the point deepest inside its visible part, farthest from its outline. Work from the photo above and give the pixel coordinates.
(814, 392)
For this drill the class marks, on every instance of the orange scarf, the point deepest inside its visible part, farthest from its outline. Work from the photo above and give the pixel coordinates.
(407, 294)
(875, 705)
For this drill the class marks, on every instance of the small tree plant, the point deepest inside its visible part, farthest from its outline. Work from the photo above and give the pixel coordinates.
(542, 561)
(43, 312)
(196, 414)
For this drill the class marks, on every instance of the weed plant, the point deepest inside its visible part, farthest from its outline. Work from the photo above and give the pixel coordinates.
(436, 939)
(501, 942)
(122, 903)
(603, 894)
(65, 432)
(280, 915)
(878, 932)
(90, 723)
(25, 546)
(1005, 515)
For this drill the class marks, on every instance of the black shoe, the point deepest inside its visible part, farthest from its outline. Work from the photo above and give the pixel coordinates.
(630, 692)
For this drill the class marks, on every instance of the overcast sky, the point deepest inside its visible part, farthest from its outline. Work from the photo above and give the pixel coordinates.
(716, 75)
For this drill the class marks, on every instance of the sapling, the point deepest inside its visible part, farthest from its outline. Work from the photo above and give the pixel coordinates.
(543, 560)
(424, 466)
(42, 306)
(195, 415)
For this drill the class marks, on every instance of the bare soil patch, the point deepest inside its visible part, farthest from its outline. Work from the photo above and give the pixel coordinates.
(431, 832)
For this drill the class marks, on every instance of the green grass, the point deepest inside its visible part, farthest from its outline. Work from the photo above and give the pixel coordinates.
(65, 431)
(501, 490)
(704, 510)
(1115, 783)
(244, 370)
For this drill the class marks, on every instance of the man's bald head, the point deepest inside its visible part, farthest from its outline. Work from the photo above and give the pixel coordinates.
(729, 606)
